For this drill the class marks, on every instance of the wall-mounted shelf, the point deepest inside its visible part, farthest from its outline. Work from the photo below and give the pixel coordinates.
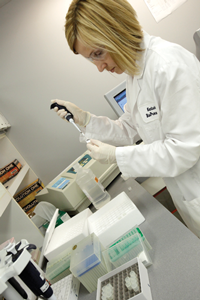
(14, 184)
(14, 222)
(5, 198)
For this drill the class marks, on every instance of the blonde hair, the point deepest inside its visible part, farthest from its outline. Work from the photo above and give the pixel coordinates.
(111, 24)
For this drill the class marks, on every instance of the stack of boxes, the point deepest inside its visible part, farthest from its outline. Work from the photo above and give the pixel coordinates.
(96, 243)
(9, 171)
(26, 197)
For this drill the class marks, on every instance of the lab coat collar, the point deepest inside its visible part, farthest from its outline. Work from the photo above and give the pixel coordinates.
(134, 80)
(144, 45)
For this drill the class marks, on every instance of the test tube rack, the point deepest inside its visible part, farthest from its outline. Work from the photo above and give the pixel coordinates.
(118, 280)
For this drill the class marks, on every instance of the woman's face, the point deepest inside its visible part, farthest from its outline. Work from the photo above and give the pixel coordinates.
(99, 57)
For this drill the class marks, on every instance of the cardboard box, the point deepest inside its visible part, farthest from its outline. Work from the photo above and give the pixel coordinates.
(28, 194)
(30, 207)
(9, 171)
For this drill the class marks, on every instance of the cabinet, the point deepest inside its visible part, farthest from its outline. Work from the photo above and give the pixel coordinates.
(14, 222)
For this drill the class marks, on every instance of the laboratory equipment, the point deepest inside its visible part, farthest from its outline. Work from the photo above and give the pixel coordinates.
(63, 191)
(47, 238)
(130, 245)
(66, 288)
(58, 267)
(91, 186)
(16, 260)
(131, 282)
(114, 219)
(87, 263)
(67, 235)
(107, 292)
(137, 287)
(69, 118)
(117, 98)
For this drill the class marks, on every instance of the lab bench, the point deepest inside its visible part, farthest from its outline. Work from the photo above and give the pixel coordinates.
(175, 253)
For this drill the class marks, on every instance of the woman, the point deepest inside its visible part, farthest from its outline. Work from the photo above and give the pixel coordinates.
(163, 101)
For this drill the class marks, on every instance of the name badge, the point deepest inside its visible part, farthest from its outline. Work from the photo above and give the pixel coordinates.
(149, 112)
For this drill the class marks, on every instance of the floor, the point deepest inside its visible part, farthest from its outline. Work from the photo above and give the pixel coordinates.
(165, 199)
(156, 187)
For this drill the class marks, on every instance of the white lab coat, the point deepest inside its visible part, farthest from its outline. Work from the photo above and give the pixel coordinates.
(163, 109)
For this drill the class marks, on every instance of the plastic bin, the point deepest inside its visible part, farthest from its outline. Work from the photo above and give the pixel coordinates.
(86, 262)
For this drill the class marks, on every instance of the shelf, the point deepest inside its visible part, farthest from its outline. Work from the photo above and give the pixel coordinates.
(13, 184)
(4, 201)
(10, 188)
(14, 222)
(2, 190)
(2, 135)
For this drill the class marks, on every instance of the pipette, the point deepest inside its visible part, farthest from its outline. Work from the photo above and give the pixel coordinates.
(69, 118)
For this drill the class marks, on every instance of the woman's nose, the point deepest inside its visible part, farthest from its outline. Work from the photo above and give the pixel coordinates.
(100, 65)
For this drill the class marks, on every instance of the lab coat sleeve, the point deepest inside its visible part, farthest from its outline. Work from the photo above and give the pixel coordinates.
(177, 90)
(118, 132)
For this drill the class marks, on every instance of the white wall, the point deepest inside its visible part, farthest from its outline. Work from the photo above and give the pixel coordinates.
(36, 66)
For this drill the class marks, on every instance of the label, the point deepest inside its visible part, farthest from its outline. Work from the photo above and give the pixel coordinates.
(83, 161)
(149, 112)
(45, 287)
(61, 183)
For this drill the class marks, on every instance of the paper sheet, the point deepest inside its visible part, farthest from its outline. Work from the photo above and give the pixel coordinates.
(162, 8)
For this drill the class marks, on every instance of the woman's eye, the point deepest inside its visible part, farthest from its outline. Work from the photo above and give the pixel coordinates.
(97, 54)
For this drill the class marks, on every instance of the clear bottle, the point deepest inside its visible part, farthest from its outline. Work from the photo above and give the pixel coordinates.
(91, 186)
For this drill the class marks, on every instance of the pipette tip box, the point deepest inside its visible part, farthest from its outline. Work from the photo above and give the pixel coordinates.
(132, 244)
(118, 281)
(86, 262)
(68, 234)
(114, 219)
(58, 268)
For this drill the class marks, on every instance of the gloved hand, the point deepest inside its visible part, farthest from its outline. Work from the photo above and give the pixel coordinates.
(102, 152)
(81, 117)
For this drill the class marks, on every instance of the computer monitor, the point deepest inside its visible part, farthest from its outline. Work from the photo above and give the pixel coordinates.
(117, 98)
